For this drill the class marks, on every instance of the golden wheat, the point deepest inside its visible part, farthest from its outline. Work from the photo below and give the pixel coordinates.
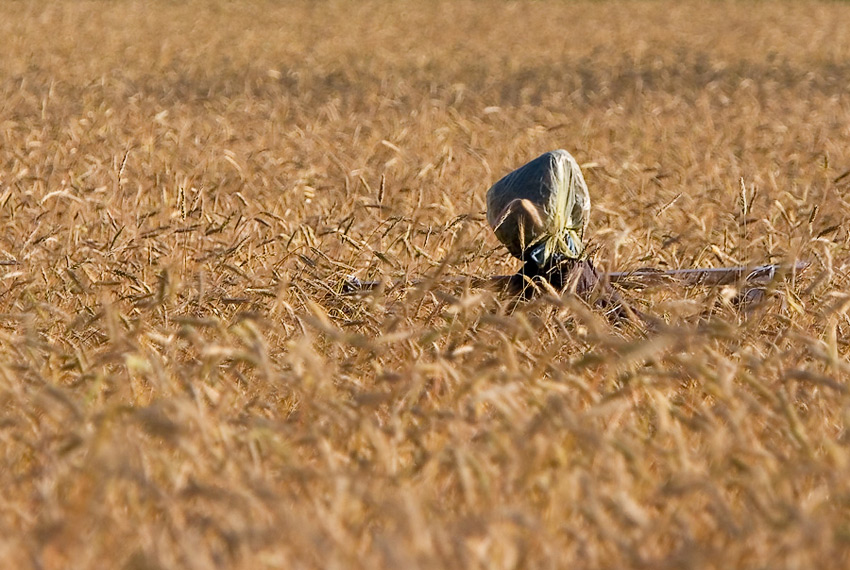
(184, 188)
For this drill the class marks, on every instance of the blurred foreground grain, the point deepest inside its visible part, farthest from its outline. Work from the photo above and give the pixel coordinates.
(184, 189)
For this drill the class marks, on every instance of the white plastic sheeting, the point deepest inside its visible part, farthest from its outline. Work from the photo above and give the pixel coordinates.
(540, 210)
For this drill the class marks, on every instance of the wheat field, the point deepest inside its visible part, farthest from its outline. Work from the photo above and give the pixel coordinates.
(186, 187)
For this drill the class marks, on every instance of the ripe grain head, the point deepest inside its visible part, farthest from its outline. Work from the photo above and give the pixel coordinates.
(185, 187)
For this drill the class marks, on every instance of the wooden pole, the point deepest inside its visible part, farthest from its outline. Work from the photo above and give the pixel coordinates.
(637, 279)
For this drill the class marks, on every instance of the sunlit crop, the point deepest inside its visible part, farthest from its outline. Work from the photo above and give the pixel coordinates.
(185, 382)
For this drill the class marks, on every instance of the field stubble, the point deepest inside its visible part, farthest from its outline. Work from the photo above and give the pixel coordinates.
(184, 188)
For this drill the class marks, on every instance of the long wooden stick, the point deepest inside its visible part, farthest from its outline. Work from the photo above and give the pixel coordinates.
(639, 278)
(760, 274)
